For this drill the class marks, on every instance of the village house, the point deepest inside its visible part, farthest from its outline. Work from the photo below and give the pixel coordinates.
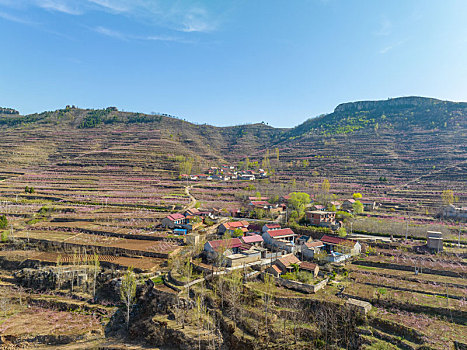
(336, 204)
(368, 205)
(311, 249)
(321, 218)
(341, 246)
(226, 246)
(263, 205)
(316, 207)
(173, 220)
(230, 227)
(270, 227)
(258, 198)
(283, 239)
(192, 212)
(254, 240)
(249, 177)
(348, 204)
(274, 270)
(456, 213)
(310, 267)
(285, 263)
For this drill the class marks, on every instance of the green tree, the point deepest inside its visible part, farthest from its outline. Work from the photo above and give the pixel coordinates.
(96, 266)
(342, 232)
(447, 197)
(4, 237)
(325, 186)
(238, 233)
(298, 201)
(3, 222)
(128, 292)
(357, 207)
(357, 195)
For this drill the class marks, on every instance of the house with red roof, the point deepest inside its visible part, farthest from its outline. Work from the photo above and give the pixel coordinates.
(226, 246)
(173, 220)
(255, 240)
(268, 227)
(281, 239)
(230, 227)
(334, 244)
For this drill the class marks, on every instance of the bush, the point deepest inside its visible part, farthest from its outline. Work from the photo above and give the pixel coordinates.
(3, 222)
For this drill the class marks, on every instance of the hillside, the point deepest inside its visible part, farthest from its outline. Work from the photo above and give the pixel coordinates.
(417, 144)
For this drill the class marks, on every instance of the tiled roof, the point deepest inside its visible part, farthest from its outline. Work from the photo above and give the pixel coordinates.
(337, 240)
(276, 268)
(225, 243)
(314, 244)
(260, 203)
(176, 216)
(235, 224)
(332, 239)
(306, 265)
(252, 239)
(273, 226)
(289, 259)
(281, 232)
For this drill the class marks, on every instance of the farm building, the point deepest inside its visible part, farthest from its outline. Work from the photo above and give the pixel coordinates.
(311, 249)
(321, 218)
(285, 264)
(453, 212)
(282, 239)
(309, 267)
(227, 246)
(348, 204)
(434, 241)
(173, 220)
(268, 227)
(230, 227)
(255, 240)
(341, 245)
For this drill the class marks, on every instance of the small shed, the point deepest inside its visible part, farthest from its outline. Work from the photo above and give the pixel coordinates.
(434, 241)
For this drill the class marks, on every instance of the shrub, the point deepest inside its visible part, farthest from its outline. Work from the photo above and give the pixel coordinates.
(3, 222)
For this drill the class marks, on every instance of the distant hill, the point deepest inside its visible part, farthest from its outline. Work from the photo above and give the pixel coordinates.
(398, 114)
(404, 140)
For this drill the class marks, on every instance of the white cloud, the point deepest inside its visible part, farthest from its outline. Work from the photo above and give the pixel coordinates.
(122, 36)
(197, 20)
(16, 19)
(111, 33)
(385, 28)
(114, 6)
(388, 48)
(68, 7)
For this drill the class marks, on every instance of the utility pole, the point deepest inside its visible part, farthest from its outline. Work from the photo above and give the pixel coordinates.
(459, 238)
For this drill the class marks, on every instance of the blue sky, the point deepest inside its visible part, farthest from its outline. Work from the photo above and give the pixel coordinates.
(229, 62)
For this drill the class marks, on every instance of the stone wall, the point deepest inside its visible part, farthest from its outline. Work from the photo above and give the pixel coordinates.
(301, 287)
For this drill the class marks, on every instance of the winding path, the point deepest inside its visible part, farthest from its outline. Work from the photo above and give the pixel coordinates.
(192, 199)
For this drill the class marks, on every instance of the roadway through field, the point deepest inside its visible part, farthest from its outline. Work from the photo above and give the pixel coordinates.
(192, 199)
